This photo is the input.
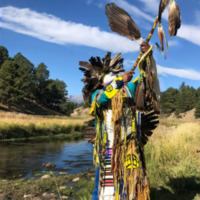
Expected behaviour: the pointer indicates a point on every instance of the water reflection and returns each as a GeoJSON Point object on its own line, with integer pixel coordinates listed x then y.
{"type": "Point", "coordinates": [26, 159]}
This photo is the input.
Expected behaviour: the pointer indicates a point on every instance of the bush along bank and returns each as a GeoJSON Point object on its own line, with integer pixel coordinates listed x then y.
{"type": "Point", "coordinates": [16, 131]}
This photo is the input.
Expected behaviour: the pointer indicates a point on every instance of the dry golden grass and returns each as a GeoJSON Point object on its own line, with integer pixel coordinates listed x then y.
{"type": "Point", "coordinates": [172, 152]}
{"type": "Point", "coordinates": [8, 118]}
{"type": "Point", "coordinates": [14, 125]}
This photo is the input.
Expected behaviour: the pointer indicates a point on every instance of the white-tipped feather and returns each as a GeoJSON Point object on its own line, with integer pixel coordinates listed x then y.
{"type": "Point", "coordinates": [161, 34]}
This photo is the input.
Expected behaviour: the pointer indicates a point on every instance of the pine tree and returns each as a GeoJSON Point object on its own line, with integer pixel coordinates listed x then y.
{"type": "Point", "coordinates": [187, 98]}
{"type": "Point", "coordinates": [3, 55]}
{"type": "Point", "coordinates": [168, 102]}
{"type": "Point", "coordinates": [41, 77]}
{"type": "Point", "coordinates": [25, 72]}
{"type": "Point", "coordinates": [197, 109]}
{"type": "Point", "coordinates": [9, 93]}
{"type": "Point", "coordinates": [56, 92]}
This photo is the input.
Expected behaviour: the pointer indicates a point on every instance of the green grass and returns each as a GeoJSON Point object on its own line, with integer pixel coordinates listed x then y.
{"type": "Point", "coordinates": [16, 189]}
{"type": "Point", "coordinates": [16, 131]}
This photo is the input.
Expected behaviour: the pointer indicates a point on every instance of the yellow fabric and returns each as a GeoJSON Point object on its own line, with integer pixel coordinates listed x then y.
{"type": "Point", "coordinates": [110, 92]}
{"type": "Point", "coordinates": [93, 108]}
{"type": "Point", "coordinates": [134, 128]}
{"type": "Point", "coordinates": [140, 64]}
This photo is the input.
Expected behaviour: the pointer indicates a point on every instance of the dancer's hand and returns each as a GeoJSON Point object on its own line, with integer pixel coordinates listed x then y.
{"type": "Point", "coordinates": [144, 46]}
{"type": "Point", "coordinates": [127, 76]}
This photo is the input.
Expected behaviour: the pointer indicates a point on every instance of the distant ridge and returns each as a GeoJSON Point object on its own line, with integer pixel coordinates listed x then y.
{"type": "Point", "coordinates": [76, 98]}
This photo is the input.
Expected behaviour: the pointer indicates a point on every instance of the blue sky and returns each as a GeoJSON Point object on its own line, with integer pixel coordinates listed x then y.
{"type": "Point", "coordinates": [60, 33]}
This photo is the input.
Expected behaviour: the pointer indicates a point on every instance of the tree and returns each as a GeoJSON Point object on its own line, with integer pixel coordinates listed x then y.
{"type": "Point", "coordinates": [56, 92]}
{"type": "Point", "coordinates": [168, 101]}
{"type": "Point", "coordinates": [41, 77]}
{"type": "Point", "coordinates": [3, 55]}
{"type": "Point", "coordinates": [187, 98]}
{"type": "Point", "coordinates": [197, 109]}
{"type": "Point", "coordinates": [68, 107]}
{"type": "Point", "coordinates": [25, 75]}
{"type": "Point", "coordinates": [9, 93]}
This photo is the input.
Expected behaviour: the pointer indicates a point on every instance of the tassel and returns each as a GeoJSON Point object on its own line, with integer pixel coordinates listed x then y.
{"type": "Point", "coordinates": [140, 96]}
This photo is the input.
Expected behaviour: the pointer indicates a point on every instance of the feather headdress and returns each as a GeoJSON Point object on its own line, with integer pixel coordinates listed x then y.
{"type": "Point", "coordinates": [96, 69]}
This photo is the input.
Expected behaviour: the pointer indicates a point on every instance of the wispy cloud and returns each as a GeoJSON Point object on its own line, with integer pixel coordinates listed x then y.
{"type": "Point", "coordinates": [190, 33]}
{"type": "Point", "coordinates": [53, 29]}
{"type": "Point", "coordinates": [133, 9]}
{"type": "Point", "coordinates": [182, 73]}
{"type": "Point", "coordinates": [165, 71]}
{"type": "Point", "coordinates": [88, 1]}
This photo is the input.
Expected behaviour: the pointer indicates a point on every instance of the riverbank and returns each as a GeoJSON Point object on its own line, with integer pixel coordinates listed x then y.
{"type": "Point", "coordinates": [15, 126]}
{"type": "Point", "coordinates": [49, 186]}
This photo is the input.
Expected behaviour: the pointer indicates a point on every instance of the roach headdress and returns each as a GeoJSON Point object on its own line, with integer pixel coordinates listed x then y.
{"type": "Point", "coordinates": [96, 69]}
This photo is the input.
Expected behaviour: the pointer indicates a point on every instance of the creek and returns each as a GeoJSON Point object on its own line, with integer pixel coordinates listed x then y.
{"type": "Point", "coordinates": [25, 159]}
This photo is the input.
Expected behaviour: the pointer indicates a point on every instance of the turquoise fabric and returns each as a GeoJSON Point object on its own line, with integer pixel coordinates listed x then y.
{"type": "Point", "coordinates": [103, 99]}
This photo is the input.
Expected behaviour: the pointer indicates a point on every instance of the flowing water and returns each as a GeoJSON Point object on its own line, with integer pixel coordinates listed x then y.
{"type": "Point", "coordinates": [26, 159]}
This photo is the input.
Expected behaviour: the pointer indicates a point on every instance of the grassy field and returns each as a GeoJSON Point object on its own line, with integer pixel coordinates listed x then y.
{"type": "Point", "coordinates": [173, 161]}
{"type": "Point", "coordinates": [14, 125]}
{"type": "Point", "coordinates": [172, 158]}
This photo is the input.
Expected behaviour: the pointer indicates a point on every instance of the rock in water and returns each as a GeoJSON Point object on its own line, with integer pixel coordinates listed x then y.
{"type": "Point", "coordinates": [49, 165]}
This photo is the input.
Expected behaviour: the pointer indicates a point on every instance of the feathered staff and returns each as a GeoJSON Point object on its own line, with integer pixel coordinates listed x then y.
{"type": "Point", "coordinates": [121, 22]}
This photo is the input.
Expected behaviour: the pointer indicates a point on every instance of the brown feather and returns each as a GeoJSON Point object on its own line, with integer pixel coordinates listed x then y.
{"type": "Point", "coordinates": [121, 22]}
{"type": "Point", "coordinates": [86, 64]}
{"type": "Point", "coordinates": [162, 6]}
{"type": "Point", "coordinates": [174, 18]}
{"type": "Point", "coordinates": [116, 58]}
{"type": "Point", "coordinates": [156, 107]}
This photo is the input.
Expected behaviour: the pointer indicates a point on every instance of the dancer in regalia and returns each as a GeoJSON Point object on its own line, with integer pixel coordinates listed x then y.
{"type": "Point", "coordinates": [125, 112]}
{"type": "Point", "coordinates": [119, 143]}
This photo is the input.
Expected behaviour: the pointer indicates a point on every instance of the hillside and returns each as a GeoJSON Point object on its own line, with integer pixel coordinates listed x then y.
{"type": "Point", "coordinates": [28, 107]}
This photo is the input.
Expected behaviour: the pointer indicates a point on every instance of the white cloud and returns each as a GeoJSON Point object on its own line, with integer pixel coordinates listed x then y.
{"type": "Point", "coordinates": [133, 10]}
{"type": "Point", "coordinates": [190, 33]}
{"type": "Point", "coordinates": [182, 73]}
{"type": "Point", "coordinates": [151, 5]}
{"type": "Point", "coordinates": [52, 29]}
{"type": "Point", "coordinates": [164, 71]}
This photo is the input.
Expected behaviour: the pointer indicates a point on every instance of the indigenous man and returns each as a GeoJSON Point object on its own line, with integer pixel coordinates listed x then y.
{"type": "Point", "coordinates": [118, 150]}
